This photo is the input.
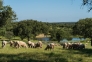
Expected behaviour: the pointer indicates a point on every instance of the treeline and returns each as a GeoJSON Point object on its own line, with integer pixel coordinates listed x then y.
{"type": "Point", "coordinates": [63, 24]}
{"type": "Point", "coordinates": [31, 28]}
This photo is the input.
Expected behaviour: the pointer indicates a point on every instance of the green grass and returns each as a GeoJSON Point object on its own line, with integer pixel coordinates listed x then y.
{"type": "Point", "coordinates": [9, 54]}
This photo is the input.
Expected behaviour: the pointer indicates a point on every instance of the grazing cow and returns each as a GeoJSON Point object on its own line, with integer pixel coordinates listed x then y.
{"type": "Point", "coordinates": [73, 46]}
{"type": "Point", "coordinates": [65, 45]}
{"type": "Point", "coordinates": [78, 46]}
{"type": "Point", "coordinates": [15, 44]}
{"type": "Point", "coordinates": [69, 45]}
{"type": "Point", "coordinates": [4, 43]}
{"type": "Point", "coordinates": [81, 46]}
{"type": "Point", "coordinates": [11, 43]}
{"type": "Point", "coordinates": [50, 46]}
{"type": "Point", "coordinates": [38, 44]}
{"type": "Point", "coordinates": [19, 44]}
{"type": "Point", "coordinates": [31, 44]}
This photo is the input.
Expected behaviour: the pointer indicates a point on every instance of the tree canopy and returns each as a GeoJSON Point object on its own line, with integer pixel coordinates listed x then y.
{"type": "Point", "coordinates": [7, 15]}
{"type": "Point", "coordinates": [83, 27]}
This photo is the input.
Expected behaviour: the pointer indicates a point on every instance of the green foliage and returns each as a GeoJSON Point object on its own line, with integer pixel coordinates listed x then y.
{"type": "Point", "coordinates": [83, 27]}
{"type": "Point", "coordinates": [23, 30]}
{"type": "Point", "coordinates": [53, 34]}
{"type": "Point", "coordinates": [9, 35]}
{"type": "Point", "coordinates": [30, 28]}
{"type": "Point", "coordinates": [45, 29]}
{"type": "Point", "coordinates": [61, 33]}
{"type": "Point", "coordinates": [2, 31]}
{"type": "Point", "coordinates": [7, 15]}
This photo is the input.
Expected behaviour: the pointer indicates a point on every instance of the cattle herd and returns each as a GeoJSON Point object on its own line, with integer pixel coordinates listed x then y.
{"type": "Point", "coordinates": [39, 44]}
{"type": "Point", "coordinates": [73, 45]}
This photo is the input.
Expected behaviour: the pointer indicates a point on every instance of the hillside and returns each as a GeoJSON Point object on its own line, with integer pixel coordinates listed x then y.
{"type": "Point", "coordinates": [70, 23]}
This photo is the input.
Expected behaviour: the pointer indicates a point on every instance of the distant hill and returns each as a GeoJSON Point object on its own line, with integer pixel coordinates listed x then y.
{"type": "Point", "coordinates": [63, 22]}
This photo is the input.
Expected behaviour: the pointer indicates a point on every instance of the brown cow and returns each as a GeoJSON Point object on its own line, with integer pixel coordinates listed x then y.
{"type": "Point", "coordinates": [38, 44]}
{"type": "Point", "coordinates": [78, 46]}
{"type": "Point", "coordinates": [50, 46]}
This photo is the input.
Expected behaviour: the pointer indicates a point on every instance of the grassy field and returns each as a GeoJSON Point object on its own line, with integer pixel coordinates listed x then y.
{"type": "Point", "coordinates": [9, 54]}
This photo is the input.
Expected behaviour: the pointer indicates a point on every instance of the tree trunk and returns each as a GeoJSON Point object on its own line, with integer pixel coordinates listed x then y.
{"type": "Point", "coordinates": [28, 38]}
{"type": "Point", "coordinates": [91, 41]}
{"type": "Point", "coordinates": [58, 40]}
{"type": "Point", "coordinates": [21, 38]}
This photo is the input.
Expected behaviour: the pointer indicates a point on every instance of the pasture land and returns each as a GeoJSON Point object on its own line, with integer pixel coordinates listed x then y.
{"type": "Point", "coordinates": [10, 54]}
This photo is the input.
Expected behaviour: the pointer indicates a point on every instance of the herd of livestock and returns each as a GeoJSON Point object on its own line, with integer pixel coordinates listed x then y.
{"type": "Point", "coordinates": [30, 44]}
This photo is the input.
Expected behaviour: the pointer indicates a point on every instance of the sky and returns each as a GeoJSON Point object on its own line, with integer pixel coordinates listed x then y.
{"type": "Point", "coordinates": [49, 10]}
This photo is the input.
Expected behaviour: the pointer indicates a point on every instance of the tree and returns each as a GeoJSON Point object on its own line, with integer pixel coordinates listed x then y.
{"type": "Point", "coordinates": [23, 30]}
{"type": "Point", "coordinates": [59, 35]}
{"type": "Point", "coordinates": [53, 34]}
{"type": "Point", "coordinates": [1, 3]}
{"type": "Point", "coordinates": [37, 28]}
{"type": "Point", "coordinates": [7, 15]}
{"type": "Point", "coordinates": [62, 33]}
{"type": "Point", "coordinates": [45, 28]}
{"type": "Point", "coordinates": [84, 28]}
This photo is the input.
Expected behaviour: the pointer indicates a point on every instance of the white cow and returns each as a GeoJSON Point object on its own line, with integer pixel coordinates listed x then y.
{"type": "Point", "coordinates": [4, 43]}
{"type": "Point", "coordinates": [19, 44]}
{"type": "Point", "coordinates": [31, 44]}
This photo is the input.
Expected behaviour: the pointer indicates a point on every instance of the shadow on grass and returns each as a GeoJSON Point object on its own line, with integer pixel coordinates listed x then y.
{"type": "Point", "coordinates": [56, 57]}
{"type": "Point", "coordinates": [86, 51]}
{"type": "Point", "coordinates": [35, 57]}
{"type": "Point", "coordinates": [18, 58]}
